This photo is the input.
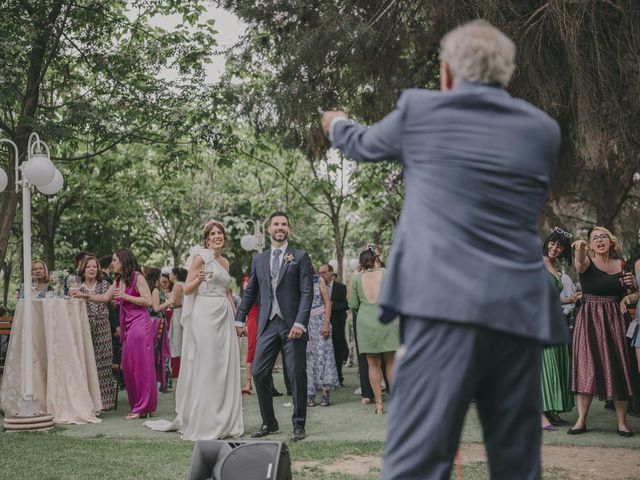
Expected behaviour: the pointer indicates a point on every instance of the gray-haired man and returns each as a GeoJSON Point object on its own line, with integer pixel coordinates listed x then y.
{"type": "Point", "coordinates": [466, 274]}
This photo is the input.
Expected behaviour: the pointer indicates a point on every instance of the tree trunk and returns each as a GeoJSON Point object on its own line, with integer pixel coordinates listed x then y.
{"type": "Point", "coordinates": [7, 268]}
{"type": "Point", "coordinates": [337, 238]}
{"type": "Point", "coordinates": [26, 119]}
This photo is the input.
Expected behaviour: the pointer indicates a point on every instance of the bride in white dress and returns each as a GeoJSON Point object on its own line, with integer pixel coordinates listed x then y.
{"type": "Point", "coordinates": [208, 399]}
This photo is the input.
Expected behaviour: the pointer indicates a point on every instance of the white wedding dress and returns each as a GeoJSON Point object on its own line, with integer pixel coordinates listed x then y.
{"type": "Point", "coordinates": [208, 398]}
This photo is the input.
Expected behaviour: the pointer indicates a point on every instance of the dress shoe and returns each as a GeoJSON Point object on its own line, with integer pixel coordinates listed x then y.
{"type": "Point", "coordinates": [577, 431]}
{"type": "Point", "coordinates": [275, 393]}
{"type": "Point", "coordinates": [266, 430]}
{"type": "Point", "coordinates": [298, 434]}
{"type": "Point", "coordinates": [625, 433]}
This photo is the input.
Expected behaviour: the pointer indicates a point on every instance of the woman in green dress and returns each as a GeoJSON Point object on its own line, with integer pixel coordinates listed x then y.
{"type": "Point", "coordinates": [556, 360]}
{"type": "Point", "coordinates": [374, 337]}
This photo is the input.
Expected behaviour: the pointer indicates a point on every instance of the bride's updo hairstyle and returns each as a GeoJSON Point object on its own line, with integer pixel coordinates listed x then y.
{"type": "Point", "coordinates": [207, 230]}
{"type": "Point", "coordinates": [367, 259]}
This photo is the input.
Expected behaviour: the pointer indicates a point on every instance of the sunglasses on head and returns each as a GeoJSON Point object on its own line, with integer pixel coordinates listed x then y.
{"type": "Point", "coordinates": [373, 247]}
{"type": "Point", "coordinates": [562, 232]}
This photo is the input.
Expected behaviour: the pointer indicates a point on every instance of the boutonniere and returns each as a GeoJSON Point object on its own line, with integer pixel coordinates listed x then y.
{"type": "Point", "coordinates": [288, 258]}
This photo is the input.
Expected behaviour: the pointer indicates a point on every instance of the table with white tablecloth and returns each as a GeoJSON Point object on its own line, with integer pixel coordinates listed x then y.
{"type": "Point", "coordinates": [65, 378]}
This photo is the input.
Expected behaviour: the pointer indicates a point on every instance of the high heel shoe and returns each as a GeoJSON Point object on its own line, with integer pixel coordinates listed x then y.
{"type": "Point", "coordinates": [379, 408]}
{"type": "Point", "coordinates": [325, 399]}
{"type": "Point", "coordinates": [135, 416]}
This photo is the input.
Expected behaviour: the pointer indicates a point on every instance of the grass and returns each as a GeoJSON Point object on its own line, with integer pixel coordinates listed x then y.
{"type": "Point", "coordinates": [119, 449]}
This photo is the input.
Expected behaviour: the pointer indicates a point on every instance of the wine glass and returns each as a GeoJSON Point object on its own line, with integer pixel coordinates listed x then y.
{"type": "Point", "coordinates": [54, 281]}
{"type": "Point", "coordinates": [34, 284]}
{"type": "Point", "coordinates": [73, 282]}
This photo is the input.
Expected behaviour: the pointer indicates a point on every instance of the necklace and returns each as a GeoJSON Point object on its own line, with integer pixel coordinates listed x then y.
{"type": "Point", "coordinates": [89, 289]}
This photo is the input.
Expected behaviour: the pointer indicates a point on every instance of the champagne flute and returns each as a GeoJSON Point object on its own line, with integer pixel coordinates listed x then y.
{"type": "Point", "coordinates": [34, 284]}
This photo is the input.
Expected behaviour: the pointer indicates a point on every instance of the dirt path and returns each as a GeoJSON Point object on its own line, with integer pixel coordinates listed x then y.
{"type": "Point", "coordinates": [577, 463]}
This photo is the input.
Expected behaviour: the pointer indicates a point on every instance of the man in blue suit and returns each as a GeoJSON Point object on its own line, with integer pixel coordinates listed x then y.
{"type": "Point", "coordinates": [466, 274]}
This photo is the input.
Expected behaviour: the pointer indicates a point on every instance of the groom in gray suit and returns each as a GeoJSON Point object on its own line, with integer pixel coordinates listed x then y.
{"type": "Point", "coordinates": [281, 278]}
{"type": "Point", "coordinates": [466, 273]}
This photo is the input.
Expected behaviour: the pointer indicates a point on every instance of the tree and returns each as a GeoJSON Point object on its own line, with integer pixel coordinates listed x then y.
{"type": "Point", "coordinates": [86, 76]}
{"type": "Point", "coordinates": [577, 60]}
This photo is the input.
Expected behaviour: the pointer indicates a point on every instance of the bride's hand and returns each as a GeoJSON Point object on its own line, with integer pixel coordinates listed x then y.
{"type": "Point", "coordinates": [241, 331]}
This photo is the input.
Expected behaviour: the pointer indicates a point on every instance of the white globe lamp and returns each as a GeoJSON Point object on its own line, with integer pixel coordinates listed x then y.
{"type": "Point", "coordinates": [249, 242]}
{"type": "Point", "coordinates": [4, 180]}
{"type": "Point", "coordinates": [39, 169]}
{"type": "Point", "coordinates": [54, 186]}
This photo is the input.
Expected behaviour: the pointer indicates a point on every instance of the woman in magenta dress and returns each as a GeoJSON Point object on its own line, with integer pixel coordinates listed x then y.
{"type": "Point", "coordinates": [136, 332]}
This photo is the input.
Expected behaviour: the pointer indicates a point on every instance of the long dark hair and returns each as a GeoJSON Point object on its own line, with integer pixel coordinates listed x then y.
{"type": "Point", "coordinates": [153, 276]}
{"type": "Point", "coordinates": [129, 264]}
{"type": "Point", "coordinates": [558, 236]}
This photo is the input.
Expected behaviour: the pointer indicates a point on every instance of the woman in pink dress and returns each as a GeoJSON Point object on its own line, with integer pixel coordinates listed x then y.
{"type": "Point", "coordinates": [136, 332]}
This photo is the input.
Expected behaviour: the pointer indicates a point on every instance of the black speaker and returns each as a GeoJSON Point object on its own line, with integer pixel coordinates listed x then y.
{"type": "Point", "coordinates": [228, 460]}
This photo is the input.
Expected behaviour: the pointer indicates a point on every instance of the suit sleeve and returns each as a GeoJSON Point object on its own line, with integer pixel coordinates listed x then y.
{"type": "Point", "coordinates": [250, 295]}
{"type": "Point", "coordinates": [381, 141]}
{"type": "Point", "coordinates": [306, 291]}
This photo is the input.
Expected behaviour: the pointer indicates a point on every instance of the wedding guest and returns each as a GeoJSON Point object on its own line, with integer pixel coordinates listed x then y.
{"type": "Point", "coordinates": [160, 305]}
{"type": "Point", "coordinates": [321, 362]}
{"type": "Point", "coordinates": [252, 334]}
{"type": "Point", "coordinates": [339, 308]}
{"type": "Point", "coordinates": [365, 390]}
{"type": "Point", "coordinates": [374, 337]}
{"type": "Point", "coordinates": [136, 332]}
{"type": "Point", "coordinates": [556, 361]}
{"type": "Point", "coordinates": [208, 400]}
{"type": "Point", "coordinates": [177, 276]}
{"type": "Point", "coordinates": [166, 284]}
{"type": "Point", "coordinates": [600, 362]}
{"type": "Point", "coordinates": [98, 313]}
{"type": "Point", "coordinates": [105, 267]}
{"type": "Point", "coordinates": [40, 280]}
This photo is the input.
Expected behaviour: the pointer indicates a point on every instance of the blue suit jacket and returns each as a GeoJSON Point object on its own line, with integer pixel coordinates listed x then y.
{"type": "Point", "coordinates": [477, 168]}
{"type": "Point", "coordinates": [294, 289]}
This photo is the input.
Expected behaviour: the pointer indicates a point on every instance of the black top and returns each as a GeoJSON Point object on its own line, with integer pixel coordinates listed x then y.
{"type": "Point", "coordinates": [596, 282]}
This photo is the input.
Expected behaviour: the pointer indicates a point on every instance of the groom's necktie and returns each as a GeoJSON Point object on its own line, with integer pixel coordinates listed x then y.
{"type": "Point", "coordinates": [275, 271]}
{"type": "Point", "coordinates": [275, 264]}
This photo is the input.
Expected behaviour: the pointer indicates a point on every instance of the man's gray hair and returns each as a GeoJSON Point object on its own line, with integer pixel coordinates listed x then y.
{"type": "Point", "coordinates": [479, 52]}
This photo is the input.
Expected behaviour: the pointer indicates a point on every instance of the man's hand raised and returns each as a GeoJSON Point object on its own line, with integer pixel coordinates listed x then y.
{"type": "Point", "coordinates": [327, 117]}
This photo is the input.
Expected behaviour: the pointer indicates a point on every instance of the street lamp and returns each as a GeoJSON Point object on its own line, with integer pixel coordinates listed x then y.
{"type": "Point", "coordinates": [40, 172]}
{"type": "Point", "coordinates": [252, 242]}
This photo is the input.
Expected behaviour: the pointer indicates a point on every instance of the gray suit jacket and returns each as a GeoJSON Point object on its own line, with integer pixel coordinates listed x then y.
{"type": "Point", "coordinates": [477, 168]}
{"type": "Point", "coordinates": [294, 289]}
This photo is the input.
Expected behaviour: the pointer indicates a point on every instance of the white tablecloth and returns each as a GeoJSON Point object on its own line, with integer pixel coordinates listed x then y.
{"type": "Point", "coordinates": [65, 379]}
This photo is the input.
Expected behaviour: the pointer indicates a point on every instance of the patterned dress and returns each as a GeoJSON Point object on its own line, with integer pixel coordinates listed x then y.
{"type": "Point", "coordinates": [600, 362]}
{"type": "Point", "coordinates": [321, 362]}
{"type": "Point", "coordinates": [98, 314]}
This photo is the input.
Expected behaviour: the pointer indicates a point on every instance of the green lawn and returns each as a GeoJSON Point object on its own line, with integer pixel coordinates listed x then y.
{"type": "Point", "coordinates": [120, 449]}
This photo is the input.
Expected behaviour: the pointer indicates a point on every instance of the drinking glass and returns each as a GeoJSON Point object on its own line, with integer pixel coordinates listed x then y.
{"type": "Point", "coordinates": [73, 283]}
{"type": "Point", "coordinates": [34, 283]}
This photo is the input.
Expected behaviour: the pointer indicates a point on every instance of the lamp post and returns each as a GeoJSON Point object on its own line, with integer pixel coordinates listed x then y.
{"type": "Point", "coordinates": [38, 171]}
{"type": "Point", "coordinates": [349, 260]}
{"type": "Point", "coordinates": [252, 242]}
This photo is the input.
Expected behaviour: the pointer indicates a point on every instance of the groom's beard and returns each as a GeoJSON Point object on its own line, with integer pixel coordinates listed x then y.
{"type": "Point", "coordinates": [279, 236]}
